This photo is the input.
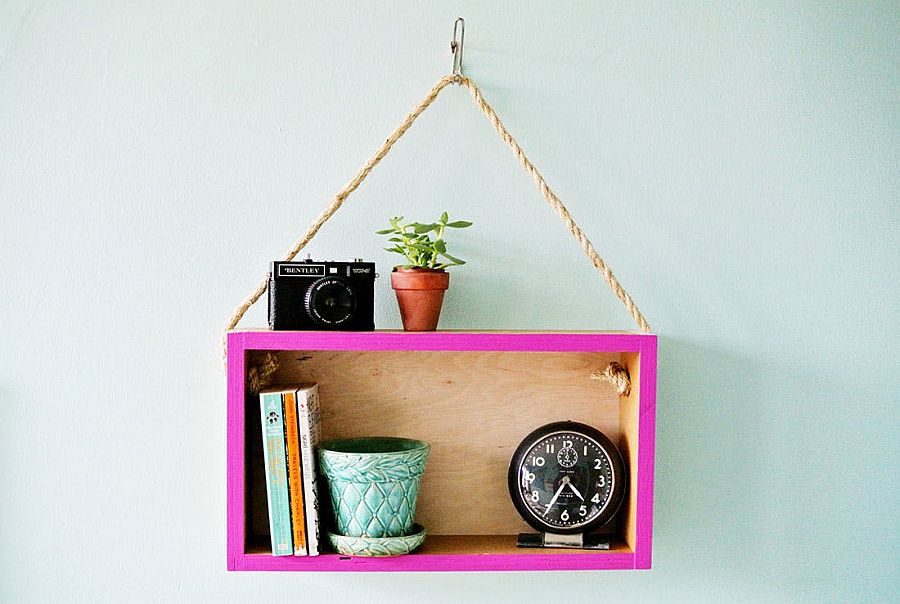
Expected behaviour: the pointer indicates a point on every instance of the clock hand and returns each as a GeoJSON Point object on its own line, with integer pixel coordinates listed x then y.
{"type": "Point", "coordinates": [555, 497]}
{"type": "Point", "coordinates": [572, 486]}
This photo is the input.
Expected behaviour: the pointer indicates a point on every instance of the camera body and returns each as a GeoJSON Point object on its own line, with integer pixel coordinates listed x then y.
{"type": "Point", "coordinates": [309, 295]}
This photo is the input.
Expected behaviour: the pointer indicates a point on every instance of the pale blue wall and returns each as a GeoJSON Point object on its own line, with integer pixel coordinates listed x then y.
{"type": "Point", "coordinates": [736, 165]}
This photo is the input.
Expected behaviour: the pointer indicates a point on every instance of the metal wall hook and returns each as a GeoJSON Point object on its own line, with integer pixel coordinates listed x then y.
{"type": "Point", "coordinates": [456, 45]}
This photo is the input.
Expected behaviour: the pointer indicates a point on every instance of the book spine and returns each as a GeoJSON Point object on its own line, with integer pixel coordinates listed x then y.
{"type": "Point", "coordinates": [276, 474]}
{"type": "Point", "coordinates": [308, 422]}
{"type": "Point", "coordinates": [295, 474]}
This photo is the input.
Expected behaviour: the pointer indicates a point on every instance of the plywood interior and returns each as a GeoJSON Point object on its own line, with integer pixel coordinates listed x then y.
{"type": "Point", "coordinates": [473, 408]}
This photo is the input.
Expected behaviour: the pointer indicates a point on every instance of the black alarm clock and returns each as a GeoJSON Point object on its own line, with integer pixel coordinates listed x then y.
{"type": "Point", "coordinates": [566, 478]}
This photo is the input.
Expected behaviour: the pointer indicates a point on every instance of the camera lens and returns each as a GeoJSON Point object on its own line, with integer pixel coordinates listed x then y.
{"type": "Point", "coordinates": [330, 301]}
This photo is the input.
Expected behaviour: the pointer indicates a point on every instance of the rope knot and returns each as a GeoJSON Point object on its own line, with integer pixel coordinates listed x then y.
{"type": "Point", "coordinates": [261, 373]}
{"type": "Point", "coordinates": [617, 375]}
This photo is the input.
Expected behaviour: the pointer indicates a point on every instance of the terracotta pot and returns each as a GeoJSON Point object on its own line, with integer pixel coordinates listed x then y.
{"type": "Point", "coordinates": [420, 294]}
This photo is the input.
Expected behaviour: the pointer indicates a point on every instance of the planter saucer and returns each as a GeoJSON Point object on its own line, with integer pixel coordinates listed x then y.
{"type": "Point", "coordinates": [377, 546]}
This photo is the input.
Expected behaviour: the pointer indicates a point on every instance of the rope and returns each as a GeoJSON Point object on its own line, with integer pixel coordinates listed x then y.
{"type": "Point", "coordinates": [617, 375]}
{"type": "Point", "coordinates": [549, 196]}
{"type": "Point", "coordinates": [554, 201]}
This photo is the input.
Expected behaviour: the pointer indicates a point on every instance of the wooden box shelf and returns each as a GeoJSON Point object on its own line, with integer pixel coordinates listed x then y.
{"type": "Point", "coordinates": [473, 396]}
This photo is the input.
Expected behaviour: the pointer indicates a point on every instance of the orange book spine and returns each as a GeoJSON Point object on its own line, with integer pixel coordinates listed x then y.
{"type": "Point", "coordinates": [295, 476]}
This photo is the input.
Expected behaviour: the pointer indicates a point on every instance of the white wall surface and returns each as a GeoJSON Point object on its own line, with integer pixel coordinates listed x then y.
{"type": "Point", "coordinates": [735, 163]}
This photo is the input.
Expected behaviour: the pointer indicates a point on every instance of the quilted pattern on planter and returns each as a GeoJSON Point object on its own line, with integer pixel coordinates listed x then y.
{"type": "Point", "coordinates": [374, 509]}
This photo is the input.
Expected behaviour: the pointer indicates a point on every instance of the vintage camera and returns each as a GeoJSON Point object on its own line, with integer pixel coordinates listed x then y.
{"type": "Point", "coordinates": [311, 295]}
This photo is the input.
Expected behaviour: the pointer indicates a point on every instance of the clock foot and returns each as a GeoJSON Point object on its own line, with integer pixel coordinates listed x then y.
{"type": "Point", "coordinates": [577, 541]}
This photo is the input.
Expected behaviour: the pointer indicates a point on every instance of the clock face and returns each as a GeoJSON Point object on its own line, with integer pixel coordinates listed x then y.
{"type": "Point", "coordinates": [566, 478]}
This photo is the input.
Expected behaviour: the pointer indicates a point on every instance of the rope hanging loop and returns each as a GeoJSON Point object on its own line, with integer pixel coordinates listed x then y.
{"type": "Point", "coordinates": [549, 196]}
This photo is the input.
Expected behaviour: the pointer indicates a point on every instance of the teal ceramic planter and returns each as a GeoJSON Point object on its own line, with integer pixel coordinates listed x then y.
{"type": "Point", "coordinates": [373, 483]}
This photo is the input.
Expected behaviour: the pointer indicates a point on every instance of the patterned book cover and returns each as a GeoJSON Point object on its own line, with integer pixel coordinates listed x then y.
{"type": "Point", "coordinates": [308, 421]}
{"type": "Point", "coordinates": [271, 408]}
{"type": "Point", "coordinates": [295, 480]}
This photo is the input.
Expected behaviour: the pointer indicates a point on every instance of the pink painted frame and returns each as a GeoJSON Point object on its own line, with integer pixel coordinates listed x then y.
{"type": "Point", "coordinates": [238, 342]}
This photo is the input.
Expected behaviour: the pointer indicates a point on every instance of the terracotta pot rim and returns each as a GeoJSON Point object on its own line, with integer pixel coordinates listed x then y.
{"type": "Point", "coordinates": [420, 280]}
{"type": "Point", "coordinates": [417, 269]}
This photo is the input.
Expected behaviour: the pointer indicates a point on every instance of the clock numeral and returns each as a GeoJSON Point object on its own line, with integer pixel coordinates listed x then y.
{"type": "Point", "coordinates": [596, 498]}
{"type": "Point", "coordinates": [527, 478]}
{"type": "Point", "coordinates": [597, 464]}
{"type": "Point", "coordinates": [537, 461]}
{"type": "Point", "coordinates": [602, 482]}
{"type": "Point", "coordinates": [564, 516]}
{"type": "Point", "coordinates": [567, 444]}
{"type": "Point", "coordinates": [535, 496]}
{"type": "Point", "coordinates": [585, 450]}
{"type": "Point", "coordinates": [582, 511]}
{"type": "Point", "coordinates": [551, 448]}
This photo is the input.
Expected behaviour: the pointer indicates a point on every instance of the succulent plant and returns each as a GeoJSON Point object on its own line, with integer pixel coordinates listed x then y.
{"type": "Point", "coordinates": [423, 244]}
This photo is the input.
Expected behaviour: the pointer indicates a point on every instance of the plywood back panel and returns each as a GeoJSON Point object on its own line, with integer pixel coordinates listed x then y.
{"type": "Point", "coordinates": [472, 407]}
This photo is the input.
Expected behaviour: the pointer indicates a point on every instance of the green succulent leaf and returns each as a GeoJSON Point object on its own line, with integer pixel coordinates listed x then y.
{"type": "Point", "coordinates": [424, 228]}
{"type": "Point", "coordinates": [385, 231]}
{"type": "Point", "coordinates": [459, 224]}
{"type": "Point", "coordinates": [444, 218]}
{"type": "Point", "coordinates": [453, 259]}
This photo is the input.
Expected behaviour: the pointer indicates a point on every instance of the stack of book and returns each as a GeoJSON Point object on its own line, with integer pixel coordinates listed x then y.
{"type": "Point", "coordinates": [290, 431]}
